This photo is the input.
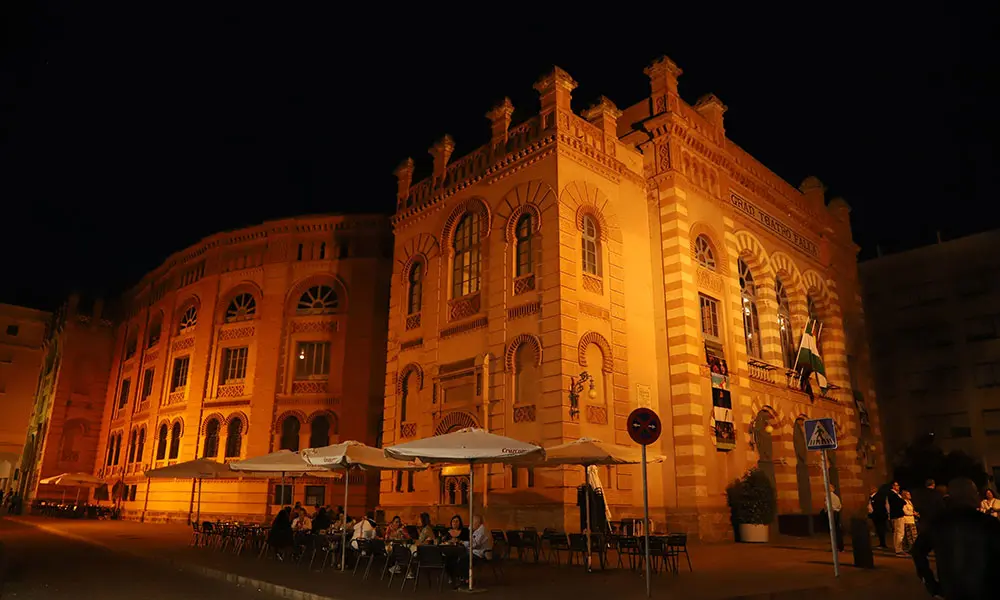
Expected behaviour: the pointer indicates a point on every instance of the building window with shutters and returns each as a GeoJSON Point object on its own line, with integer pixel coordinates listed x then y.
{"type": "Point", "coordinates": [234, 365]}
{"type": "Point", "coordinates": [467, 260]}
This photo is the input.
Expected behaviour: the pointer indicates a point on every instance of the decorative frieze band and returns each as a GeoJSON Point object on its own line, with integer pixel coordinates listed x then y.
{"type": "Point", "coordinates": [523, 310]}
{"type": "Point", "coordinates": [236, 333]}
{"type": "Point", "coordinates": [309, 387]}
{"type": "Point", "coordinates": [314, 326]}
{"type": "Point", "coordinates": [524, 414]}
{"type": "Point", "coordinates": [183, 344]}
{"type": "Point", "coordinates": [465, 327]}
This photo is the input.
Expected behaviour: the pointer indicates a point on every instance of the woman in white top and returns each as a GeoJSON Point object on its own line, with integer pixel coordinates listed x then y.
{"type": "Point", "coordinates": [364, 529]}
{"type": "Point", "coordinates": [991, 505]}
{"type": "Point", "coordinates": [909, 522]}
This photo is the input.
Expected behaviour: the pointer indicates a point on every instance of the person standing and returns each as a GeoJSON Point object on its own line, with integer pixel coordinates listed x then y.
{"type": "Point", "coordinates": [928, 502]}
{"type": "Point", "coordinates": [878, 515]}
{"type": "Point", "coordinates": [895, 503]}
{"type": "Point", "coordinates": [966, 546]}
{"type": "Point", "coordinates": [909, 522]}
{"type": "Point", "coordinates": [990, 505]}
{"type": "Point", "coordinates": [836, 505]}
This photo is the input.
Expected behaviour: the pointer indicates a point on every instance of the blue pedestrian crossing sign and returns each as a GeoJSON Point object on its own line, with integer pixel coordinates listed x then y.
{"type": "Point", "coordinates": [821, 434]}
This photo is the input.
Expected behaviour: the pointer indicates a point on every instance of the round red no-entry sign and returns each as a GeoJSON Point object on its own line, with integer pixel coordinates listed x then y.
{"type": "Point", "coordinates": [644, 426]}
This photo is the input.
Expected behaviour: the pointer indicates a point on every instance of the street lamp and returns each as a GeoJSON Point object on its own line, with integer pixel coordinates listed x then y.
{"type": "Point", "coordinates": [576, 385]}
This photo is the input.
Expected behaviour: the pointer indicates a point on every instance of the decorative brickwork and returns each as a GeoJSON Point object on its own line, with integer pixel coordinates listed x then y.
{"type": "Point", "coordinates": [314, 326]}
{"type": "Point", "coordinates": [408, 430]}
{"type": "Point", "coordinates": [233, 390]}
{"type": "Point", "coordinates": [236, 333]}
{"type": "Point", "coordinates": [461, 308]}
{"type": "Point", "coordinates": [524, 414]}
{"type": "Point", "coordinates": [410, 344]}
{"type": "Point", "coordinates": [413, 322]}
{"type": "Point", "coordinates": [465, 327]}
{"type": "Point", "coordinates": [523, 310]}
{"type": "Point", "coordinates": [524, 284]}
{"type": "Point", "coordinates": [592, 310]}
{"type": "Point", "coordinates": [175, 397]}
{"type": "Point", "coordinates": [309, 387]}
{"type": "Point", "coordinates": [598, 415]}
{"type": "Point", "coordinates": [592, 337]}
{"type": "Point", "coordinates": [593, 284]}
{"type": "Point", "coordinates": [183, 344]}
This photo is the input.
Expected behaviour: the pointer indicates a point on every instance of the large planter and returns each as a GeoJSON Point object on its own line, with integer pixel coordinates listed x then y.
{"type": "Point", "coordinates": [753, 534]}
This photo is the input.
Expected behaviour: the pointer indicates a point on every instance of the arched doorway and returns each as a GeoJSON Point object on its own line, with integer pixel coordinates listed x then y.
{"type": "Point", "coordinates": [802, 467]}
{"type": "Point", "coordinates": [762, 430]}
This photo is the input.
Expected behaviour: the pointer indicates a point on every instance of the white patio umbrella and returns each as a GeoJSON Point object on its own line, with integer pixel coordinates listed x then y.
{"type": "Point", "coordinates": [199, 468]}
{"type": "Point", "coordinates": [588, 452]}
{"type": "Point", "coordinates": [353, 455]}
{"type": "Point", "coordinates": [78, 480]}
{"type": "Point", "coordinates": [469, 446]}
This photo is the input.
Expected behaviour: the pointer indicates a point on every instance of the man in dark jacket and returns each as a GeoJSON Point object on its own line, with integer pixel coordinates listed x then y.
{"type": "Point", "coordinates": [929, 504]}
{"type": "Point", "coordinates": [878, 514]}
{"type": "Point", "coordinates": [896, 503]}
{"type": "Point", "coordinates": [966, 546]}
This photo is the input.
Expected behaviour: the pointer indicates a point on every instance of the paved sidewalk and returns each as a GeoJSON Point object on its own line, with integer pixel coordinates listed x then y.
{"type": "Point", "coordinates": [786, 568]}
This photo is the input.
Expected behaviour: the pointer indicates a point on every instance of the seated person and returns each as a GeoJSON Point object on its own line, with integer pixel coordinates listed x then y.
{"type": "Point", "coordinates": [301, 522]}
{"type": "Point", "coordinates": [426, 531]}
{"type": "Point", "coordinates": [481, 541]}
{"type": "Point", "coordinates": [395, 531]}
{"type": "Point", "coordinates": [364, 529]}
{"type": "Point", "coordinates": [458, 532]}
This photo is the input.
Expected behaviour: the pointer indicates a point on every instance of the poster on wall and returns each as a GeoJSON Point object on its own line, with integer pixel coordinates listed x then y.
{"type": "Point", "coordinates": [722, 404]}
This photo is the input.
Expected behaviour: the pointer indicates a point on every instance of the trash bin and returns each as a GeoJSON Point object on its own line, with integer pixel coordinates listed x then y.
{"type": "Point", "coordinates": [861, 544]}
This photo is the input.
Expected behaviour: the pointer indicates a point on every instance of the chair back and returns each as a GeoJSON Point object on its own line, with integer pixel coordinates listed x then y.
{"type": "Point", "coordinates": [401, 552]}
{"type": "Point", "coordinates": [430, 555]}
{"type": "Point", "coordinates": [498, 536]}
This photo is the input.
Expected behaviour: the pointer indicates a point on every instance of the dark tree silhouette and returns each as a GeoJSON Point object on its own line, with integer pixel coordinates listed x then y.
{"type": "Point", "coordinates": [923, 460]}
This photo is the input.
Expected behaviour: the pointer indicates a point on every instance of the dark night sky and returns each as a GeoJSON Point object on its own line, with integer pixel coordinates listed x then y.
{"type": "Point", "coordinates": [127, 133]}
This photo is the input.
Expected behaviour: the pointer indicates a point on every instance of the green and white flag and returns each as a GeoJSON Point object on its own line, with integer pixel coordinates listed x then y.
{"type": "Point", "coordinates": [809, 360]}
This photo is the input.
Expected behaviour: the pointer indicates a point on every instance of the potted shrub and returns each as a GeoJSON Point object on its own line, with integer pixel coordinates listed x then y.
{"type": "Point", "coordinates": [754, 505]}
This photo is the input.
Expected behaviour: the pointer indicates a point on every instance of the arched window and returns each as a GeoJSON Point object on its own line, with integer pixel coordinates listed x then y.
{"type": "Point", "coordinates": [175, 441]}
{"type": "Point", "coordinates": [318, 300]}
{"type": "Point", "coordinates": [703, 252]}
{"type": "Point", "coordinates": [118, 447]}
{"type": "Point", "coordinates": [290, 434]}
{"type": "Point", "coordinates": [188, 319]}
{"type": "Point", "coordinates": [788, 349]}
{"type": "Point", "coordinates": [416, 288]}
{"type": "Point", "coordinates": [751, 319]}
{"type": "Point", "coordinates": [241, 308]}
{"type": "Point", "coordinates": [131, 446]}
{"type": "Point", "coordinates": [320, 434]}
{"type": "Point", "coordinates": [465, 270]}
{"type": "Point", "coordinates": [141, 447]}
{"type": "Point", "coordinates": [527, 375]}
{"type": "Point", "coordinates": [591, 247]}
{"type": "Point", "coordinates": [155, 329]}
{"type": "Point", "coordinates": [161, 443]}
{"type": "Point", "coordinates": [524, 233]}
{"type": "Point", "coordinates": [404, 396]}
{"type": "Point", "coordinates": [234, 438]}
{"type": "Point", "coordinates": [211, 438]}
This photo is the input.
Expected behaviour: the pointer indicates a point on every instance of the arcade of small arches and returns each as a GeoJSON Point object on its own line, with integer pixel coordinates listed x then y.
{"type": "Point", "coordinates": [776, 299]}
{"type": "Point", "coordinates": [323, 430]}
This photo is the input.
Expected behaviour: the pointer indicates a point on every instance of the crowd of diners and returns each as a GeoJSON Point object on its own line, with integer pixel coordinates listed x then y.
{"type": "Point", "coordinates": [292, 526]}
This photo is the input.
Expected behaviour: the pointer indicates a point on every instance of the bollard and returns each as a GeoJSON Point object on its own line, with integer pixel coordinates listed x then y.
{"type": "Point", "coordinates": [861, 544]}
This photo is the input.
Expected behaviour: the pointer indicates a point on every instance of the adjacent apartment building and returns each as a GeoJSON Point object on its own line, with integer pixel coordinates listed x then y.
{"type": "Point", "coordinates": [581, 265]}
{"type": "Point", "coordinates": [934, 314]}
{"type": "Point", "coordinates": [22, 331]}
{"type": "Point", "coordinates": [65, 418]}
{"type": "Point", "coordinates": [250, 341]}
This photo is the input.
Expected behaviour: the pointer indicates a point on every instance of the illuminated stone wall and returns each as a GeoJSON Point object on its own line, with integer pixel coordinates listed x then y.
{"type": "Point", "coordinates": [253, 340]}
{"type": "Point", "coordinates": [586, 261]}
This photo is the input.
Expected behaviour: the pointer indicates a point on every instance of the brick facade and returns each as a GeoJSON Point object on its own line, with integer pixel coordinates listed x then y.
{"type": "Point", "coordinates": [608, 283]}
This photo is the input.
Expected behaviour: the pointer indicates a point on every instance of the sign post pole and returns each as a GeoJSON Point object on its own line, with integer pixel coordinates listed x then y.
{"type": "Point", "coordinates": [644, 428]}
{"type": "Point", "coordinates": [821, 434]}
{"type": "Point", "coordinates": [645, 514]}
{"type": "Point", "coordinates": [829, 516]}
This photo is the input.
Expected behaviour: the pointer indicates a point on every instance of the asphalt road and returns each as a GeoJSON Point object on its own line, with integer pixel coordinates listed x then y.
{"type": "Point", "coordinates": [40, 565]}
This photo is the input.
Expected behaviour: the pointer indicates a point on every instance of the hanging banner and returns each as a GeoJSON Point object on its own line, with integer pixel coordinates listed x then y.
{"type": "Point", "coordinates": [722, 404]}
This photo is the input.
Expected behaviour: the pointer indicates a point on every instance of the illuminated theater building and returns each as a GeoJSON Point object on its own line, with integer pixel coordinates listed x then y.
{"type": "Point", "coordinates": [250, 341]}
{"type": "Point", "coordinates": [630, 245]}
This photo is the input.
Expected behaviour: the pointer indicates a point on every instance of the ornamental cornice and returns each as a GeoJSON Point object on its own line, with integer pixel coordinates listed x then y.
{"type": "Point", "coordinates": [505, 167]}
